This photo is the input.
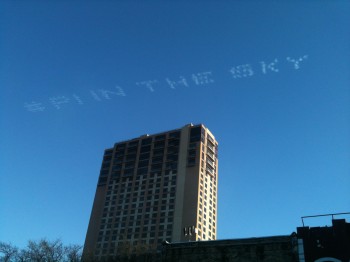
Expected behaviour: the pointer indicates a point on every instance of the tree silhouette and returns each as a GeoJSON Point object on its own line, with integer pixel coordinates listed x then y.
{"type": "Point", "coordinates": [40, 251]}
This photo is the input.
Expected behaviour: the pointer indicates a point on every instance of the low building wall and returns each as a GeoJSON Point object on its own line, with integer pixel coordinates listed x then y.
{"type": "Point", "coordinates": [267, 249]}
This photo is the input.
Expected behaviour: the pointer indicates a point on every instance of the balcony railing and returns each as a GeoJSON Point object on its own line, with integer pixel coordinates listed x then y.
{"type": "Point", "coordinates": [211, 148]}
{"type": "Point", "coordinates": [211, 163]}
{"type": "Point", "coordinates": [211, 155]}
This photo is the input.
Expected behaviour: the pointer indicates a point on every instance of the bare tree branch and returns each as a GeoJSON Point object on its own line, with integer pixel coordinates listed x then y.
{"type": "Point", "coordinates": [8, 252]}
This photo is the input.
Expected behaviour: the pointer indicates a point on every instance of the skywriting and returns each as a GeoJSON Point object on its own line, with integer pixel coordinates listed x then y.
{"type": "Point", "coordinates": [195, 79]}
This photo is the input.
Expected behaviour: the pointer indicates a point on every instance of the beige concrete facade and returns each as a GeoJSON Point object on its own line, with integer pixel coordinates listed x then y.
{"type": "Point", "coordinates": [155, 188]}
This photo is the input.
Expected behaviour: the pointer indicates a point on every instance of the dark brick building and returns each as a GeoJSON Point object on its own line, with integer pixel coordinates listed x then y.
{"type": "Point", "coordinates": [265, 249]}
{"type": "Point", "coordinates": [319, 244]}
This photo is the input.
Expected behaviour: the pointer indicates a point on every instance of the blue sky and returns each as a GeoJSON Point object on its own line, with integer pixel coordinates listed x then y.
{"type": "Point", "coordinates": [270, 80]}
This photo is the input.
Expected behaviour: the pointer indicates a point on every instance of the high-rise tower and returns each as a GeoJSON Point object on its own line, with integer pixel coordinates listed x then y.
{"type": "Point", "coordinates": [155, 188]}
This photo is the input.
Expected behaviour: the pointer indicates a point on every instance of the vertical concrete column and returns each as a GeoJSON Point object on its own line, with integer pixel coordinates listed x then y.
{"type": "Point", "coordinates": [180, 185]}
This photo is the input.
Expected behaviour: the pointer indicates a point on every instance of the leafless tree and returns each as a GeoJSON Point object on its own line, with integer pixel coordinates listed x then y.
{"type": "Point", "coordinates": [44, 251]}
{"type": "Point", "coordinates": [73, 253]}
{"type": "Point", "coordinates": [8, 252]}
{"type": "Point", "coordinates": [41, 251]}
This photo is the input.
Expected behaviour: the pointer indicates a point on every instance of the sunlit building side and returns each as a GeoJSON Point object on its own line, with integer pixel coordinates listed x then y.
{"type": "Point", "coordinates": [155, 188]}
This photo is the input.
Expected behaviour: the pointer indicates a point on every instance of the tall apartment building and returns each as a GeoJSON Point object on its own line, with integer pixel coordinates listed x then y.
{"type": "Point", "coordinates": [155, 188]}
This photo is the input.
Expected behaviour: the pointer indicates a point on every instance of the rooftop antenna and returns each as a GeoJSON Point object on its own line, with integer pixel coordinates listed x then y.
{"type": "Point", "coordinates": [189, 231]}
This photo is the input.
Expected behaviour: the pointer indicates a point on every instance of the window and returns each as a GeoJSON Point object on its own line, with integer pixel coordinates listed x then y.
{"type": "Point", "coordinates": [145, 149]}
{"type": "Point", "coordinates": [146, 141]}
{"type": "Point", "coordinates": [159, 137]}
{"type": "Point", "coordinates": [174, 134]}
{"type": "Point", "coordinates": [195, 134]}
{"type": "Point", "coordinates": [143, 163]}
